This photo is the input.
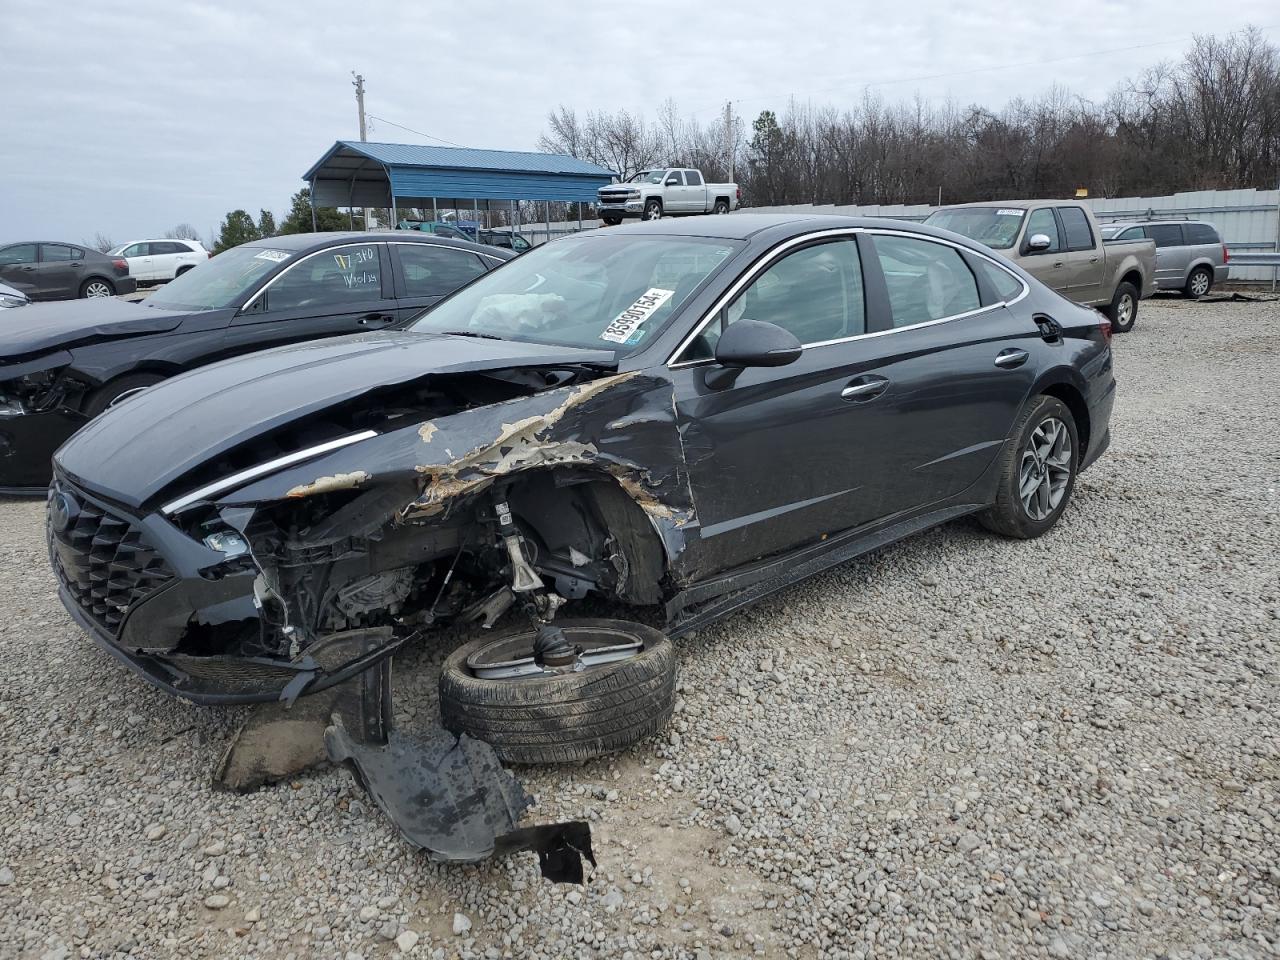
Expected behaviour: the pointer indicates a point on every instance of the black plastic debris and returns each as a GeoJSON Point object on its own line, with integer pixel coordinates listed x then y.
{"type": "Point", "coordinates": [450, 796]}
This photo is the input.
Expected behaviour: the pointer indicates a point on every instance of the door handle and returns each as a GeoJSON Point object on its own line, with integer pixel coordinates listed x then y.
{"type": "Point", "coordinates": [376, 319]}
{"type": "Point", "coordinates": [864, 389]}
{"type": "Point", "coordinates": [1057, 263]}
{"type": "Point", "coordinates": [1008, 359]}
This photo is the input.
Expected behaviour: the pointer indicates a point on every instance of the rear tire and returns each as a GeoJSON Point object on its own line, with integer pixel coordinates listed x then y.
{"type": "Point", "coordinates": [722, 206]}
{"type": "Point", "coordinates": [1010, 515]}
{"type": "Point", "coordinates": [563, 717]}
{"type": "Point", "coordinates": [113, 391]}
{"type": "Point", "coordinates": [97, 287]}
{"type": "Point", "coordinates": [1199, 283]}
{"type": "Point", "coordinates": [1123, 312]}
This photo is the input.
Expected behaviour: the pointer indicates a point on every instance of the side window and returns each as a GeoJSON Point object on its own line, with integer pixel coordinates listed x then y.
{"type": "Point", "coordinates": [693, 178]}
{"type": "Point", "coordinates": [135, 250]}
{"type": "Point", "coordinates": [674, 178]}
{"type": "Point", "coordinates": [1133, 233]}
{"type": "Point", "coordinates": [1042, 221]}
{"type": "Point", "coordinates": [333, 277]}
{"type": "Point", "coordinates": [432, 271]}
{"type": "Point", "coordinates": [1076, 226]}
{"type": "Point", "coordinates": [1006, 285]}
{"type": "Point", "coordinates": [1165, 234]}
{"type": "Point", "coordinates": [18, 253]}
{"type": "Point", "coordinates": [926, 280]}
{"type": "Point", "coordinates": [56, 252]}
{"type": "Point", "coordinates": [168, 246]}
{"type": "Point", "coordinates": [816, 293]}
{"type": "Point", "coordinates": [1200, 233]}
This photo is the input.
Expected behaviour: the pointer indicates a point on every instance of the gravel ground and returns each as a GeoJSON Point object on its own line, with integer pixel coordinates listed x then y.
{"type": "Point", "coordinates": [960, 746]}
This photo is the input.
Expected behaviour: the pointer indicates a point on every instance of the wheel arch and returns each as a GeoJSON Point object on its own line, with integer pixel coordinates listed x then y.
{"type": "Point", "coordinates": [1062, 385]}
{"type": "Point", "coordinates": [1132, 276]}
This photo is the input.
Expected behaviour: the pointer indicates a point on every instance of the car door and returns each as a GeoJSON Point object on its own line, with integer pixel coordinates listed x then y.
{"type": "Point", "coordinates": [695, 192]}
{"type": "Point", "coordinates": [1172, 256]}
{"type": "Point", "coordinates": [141, 265]}
{"type": "Point", "coordinates": [59, 270]}
{"type": "Point", "coordinates": [165, 255]}
{"type": "Point", "coordinates": [425, 272]}
{"type": "Point", "coordinates": [19, 263]}
{"type": "Point", "coordinates": [954, 367]}
{"type": "Point", "coordinates": [775, 458]}
{"type": "Point", "coordinates": [674, 196]}
{"type": "Point", "coordinates": [1048, 265]}
{"type": "Point", "coordinates": [338, 290]}
{"type": "Point", "coordinates": [1083, 262]}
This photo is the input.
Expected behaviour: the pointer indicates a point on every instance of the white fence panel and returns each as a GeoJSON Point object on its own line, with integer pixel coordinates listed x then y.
{"type": "Point", "coordinates": [1247, 219]}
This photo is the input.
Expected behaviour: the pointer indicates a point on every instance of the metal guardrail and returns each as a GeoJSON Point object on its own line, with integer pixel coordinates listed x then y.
{"type": "Point", "coordinates": [1269, 258]}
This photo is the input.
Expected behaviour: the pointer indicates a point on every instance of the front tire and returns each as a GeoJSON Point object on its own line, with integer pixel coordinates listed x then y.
{"type": "Point", "coordinates": [1037, 472]}
{"type": "Point", "coordinates": [116, 391]}
{"type": "Point", "coordinates": [652, 210]}
{"type": "Point", "coordinates": [1123, 312]}
{"type": "Point", "coordinates": [565, 716]}
{"type": "Point", "coordinates": [611, 221]}
{"type": "Point", "coordinates": [1199, 283]}
{"type": "Point", "coordinates": [97, 287]}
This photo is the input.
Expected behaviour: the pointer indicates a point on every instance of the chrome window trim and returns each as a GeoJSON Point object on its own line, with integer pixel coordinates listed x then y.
{"type": "Point", "coordinates": [252, 473]}
{"type": "Point", "coordinates": [778, 252]}
{"type": "Point", "coordinates": [446, 246]}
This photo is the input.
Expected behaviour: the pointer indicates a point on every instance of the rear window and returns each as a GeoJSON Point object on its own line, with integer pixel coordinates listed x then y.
{"type": "Point", "coordinates": [1200, 233]}
{"type": "Point", "coordinates": [1076, 226]}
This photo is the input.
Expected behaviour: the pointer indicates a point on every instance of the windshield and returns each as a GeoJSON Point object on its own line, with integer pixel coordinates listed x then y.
{"type": "Point", "coordinates": [996, 227]}
{"type": "Point", "coordinates": [596, 292]}
{"type": "Point", "coordinates": [648, 176]}
{"type": "Point", "coordinates": [219, 282]}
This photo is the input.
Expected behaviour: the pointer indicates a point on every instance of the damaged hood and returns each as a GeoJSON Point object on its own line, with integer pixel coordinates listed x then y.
{"type": "Point", "coordinates": [41, 327]}
{"type": "Point", "coordinates": [135, 450]}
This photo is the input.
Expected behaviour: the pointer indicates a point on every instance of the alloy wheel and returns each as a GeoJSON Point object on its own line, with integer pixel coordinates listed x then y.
{"type": "Point", "coordinates": [1045, 470]}
{"type": "Point", "coordinates": [511, 658]}
{"type": "Point", "coordinates": [1124, 311]}
{"type": "Point", "coordinates": [1199, 283]}
{"type": "Point", "coordinates": [653, 213]}
{"type": "Point", "coordinates": [97, 289]}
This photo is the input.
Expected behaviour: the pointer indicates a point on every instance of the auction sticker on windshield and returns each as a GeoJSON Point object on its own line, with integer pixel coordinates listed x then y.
{"type": "Point", "coordinates": [1009, 213]}
{"type": "Point", "coordinates": [625, 326]}
{"type": "Point", "coordinates": [275, 256]}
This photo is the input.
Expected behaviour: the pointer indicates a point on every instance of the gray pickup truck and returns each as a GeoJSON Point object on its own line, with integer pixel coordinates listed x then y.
{"type": "Point", "coordinates": [665, 192]}
{"type": "Point", "coordinates": [1059, 243]}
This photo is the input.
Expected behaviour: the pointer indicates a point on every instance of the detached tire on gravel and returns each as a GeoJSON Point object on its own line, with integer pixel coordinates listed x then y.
{"type": "Point", "coordinates": [563, 716]}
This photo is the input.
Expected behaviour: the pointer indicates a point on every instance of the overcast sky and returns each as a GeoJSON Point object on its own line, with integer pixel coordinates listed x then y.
{"type": "Point", "coordinates": [127, 119]}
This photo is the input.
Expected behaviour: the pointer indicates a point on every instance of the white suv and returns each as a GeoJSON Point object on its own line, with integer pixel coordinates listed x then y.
{"type": "Point", "coordinates": [157, 260]}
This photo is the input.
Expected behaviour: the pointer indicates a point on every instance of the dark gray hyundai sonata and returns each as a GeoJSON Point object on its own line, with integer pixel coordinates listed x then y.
{"type": "Point", "coordinates": [682, 415]}
{"type": "Point", "coordinates": [674, 419]}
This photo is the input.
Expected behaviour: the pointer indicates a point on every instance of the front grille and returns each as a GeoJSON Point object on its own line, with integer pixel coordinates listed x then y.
{"type": "Point", "coordinates": [100, 556]}
{"type": "Point", "coordinates": [613, 198]}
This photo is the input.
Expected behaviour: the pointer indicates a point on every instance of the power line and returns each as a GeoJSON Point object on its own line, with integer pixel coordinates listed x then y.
{"type": "Point", "coordinates": [413, 131]}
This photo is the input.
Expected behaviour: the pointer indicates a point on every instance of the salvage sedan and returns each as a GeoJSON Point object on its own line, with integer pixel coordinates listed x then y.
{"type": "Point", "coordinates": [63, 364]}
{"type": "Point", "coordinates": [680, 417]}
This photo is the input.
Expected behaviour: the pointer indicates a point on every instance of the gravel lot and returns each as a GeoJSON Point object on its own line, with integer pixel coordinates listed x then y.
{"type": "Point", "coordinates": [957, 747]}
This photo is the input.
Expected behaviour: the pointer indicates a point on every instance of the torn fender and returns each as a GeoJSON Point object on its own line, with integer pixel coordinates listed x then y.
{"type": "Point", "coordinates": [621, 426]}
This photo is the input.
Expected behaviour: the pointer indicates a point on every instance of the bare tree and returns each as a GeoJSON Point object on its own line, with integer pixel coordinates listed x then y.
{"type": "Point", "coordinates": [100, 242]}
{"type": "Point", "coordinates": [183, 231]}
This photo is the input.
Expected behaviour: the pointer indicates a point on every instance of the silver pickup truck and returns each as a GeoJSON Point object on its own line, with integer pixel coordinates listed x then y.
{"type": "Point", "coordinates": [666, 192]}
{"type": "Point", "coordinates": [1059, 242]}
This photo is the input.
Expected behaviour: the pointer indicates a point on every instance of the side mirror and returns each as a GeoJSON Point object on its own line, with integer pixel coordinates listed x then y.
{"type": "Point", "coordinates": [751, 343]}
{"type": "Point", "coordinates": [1038, 243]}
{"type": "Point", "coordinates": [673, 181]}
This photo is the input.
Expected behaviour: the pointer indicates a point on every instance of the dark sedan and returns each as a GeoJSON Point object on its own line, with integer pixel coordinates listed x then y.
{"type": "Point", "coordinates": [63, 271]}
{"type": "Point", "coordinates": [64, 364]}
{"type": "Point", "coordinates": [683, 415]}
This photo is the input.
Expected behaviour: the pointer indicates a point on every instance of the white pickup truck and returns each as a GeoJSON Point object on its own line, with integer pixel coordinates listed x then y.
{"type": "Point", "coordinates": [666, 192]}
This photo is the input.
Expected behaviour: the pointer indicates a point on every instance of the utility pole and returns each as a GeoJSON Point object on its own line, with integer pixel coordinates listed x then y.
{"type": "Point", "coordinates": [358, 83]}
{"type": "Point", "coordinates": [728, 134]}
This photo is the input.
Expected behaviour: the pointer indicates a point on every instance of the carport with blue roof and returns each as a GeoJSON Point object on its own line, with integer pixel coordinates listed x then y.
{"type": "Point", "coordinates": [359, 174]}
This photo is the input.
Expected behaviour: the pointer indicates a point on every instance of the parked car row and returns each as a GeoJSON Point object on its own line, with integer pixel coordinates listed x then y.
{"type": "Point", "coordinates": [60, 271]}
{"type": "Point", "coordinates": [66, 363]}
{"type": "Point", "coordinates": [508, 239]}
